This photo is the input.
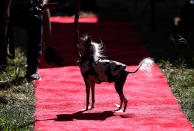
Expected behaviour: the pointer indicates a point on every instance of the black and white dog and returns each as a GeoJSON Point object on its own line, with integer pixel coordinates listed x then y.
{"type": "Point", "coordinates": [96, 69]}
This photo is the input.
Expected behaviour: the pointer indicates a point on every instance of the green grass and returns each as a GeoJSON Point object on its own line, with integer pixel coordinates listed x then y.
{"type": "Point", "coordinates": [18, 113]}
{"type": "Point", "coordinates": [181, 80]}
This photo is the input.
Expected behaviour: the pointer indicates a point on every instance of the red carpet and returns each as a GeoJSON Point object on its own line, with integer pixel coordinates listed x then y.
{"type": "Point", "coordinates": [60, 94]}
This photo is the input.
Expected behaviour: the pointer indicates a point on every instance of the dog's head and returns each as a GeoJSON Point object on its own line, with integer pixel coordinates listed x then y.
{"type": "Point", "coordinates": [84, 46]}
{"type": "Point", "coordinates": [88, 48]}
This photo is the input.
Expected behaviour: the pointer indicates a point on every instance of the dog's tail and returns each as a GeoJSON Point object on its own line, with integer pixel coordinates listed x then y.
{"type": "Point", "coordinates": [145, 65]}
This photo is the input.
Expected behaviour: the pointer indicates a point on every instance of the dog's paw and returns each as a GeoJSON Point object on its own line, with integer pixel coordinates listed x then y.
{"type": "Point", "coordinates": [119, 111]}
{"type": "Point", "coordinates": [86, 109]}
{"type": "Point", "coordinates": [90, 107]}
{"type": "Point", "coordinates": [117, 105]}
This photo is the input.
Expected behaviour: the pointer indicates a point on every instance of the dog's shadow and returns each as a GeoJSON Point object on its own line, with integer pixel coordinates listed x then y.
{"type": "Point", "coordinates": [89, 116]}
{"type": "Point", "coordinates": [85, 116]}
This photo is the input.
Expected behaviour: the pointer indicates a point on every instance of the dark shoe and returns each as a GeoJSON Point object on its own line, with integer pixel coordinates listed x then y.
{"type": "Point", "coordinates": [53, 57]}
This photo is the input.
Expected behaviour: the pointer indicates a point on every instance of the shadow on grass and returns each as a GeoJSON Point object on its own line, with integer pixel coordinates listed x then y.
{"type": "Point", "coordinates": [8, 84]}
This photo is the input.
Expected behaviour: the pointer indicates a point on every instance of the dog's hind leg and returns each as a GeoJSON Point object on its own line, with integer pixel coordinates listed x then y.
{"type": "Point", "coordinates": [121, 101]}
{"type": "Point", "coordinates": [119, 88]}
{"type": "Point", "coordinates": [125, 102]}
{"type": "Point", "coordinates": [92, 85]}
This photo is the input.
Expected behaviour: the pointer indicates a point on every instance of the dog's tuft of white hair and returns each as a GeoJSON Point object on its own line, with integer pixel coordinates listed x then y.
{"type": "Point", "coordinates": [98, 51]}
{"type": "Point", "coordinates": [146, 65]}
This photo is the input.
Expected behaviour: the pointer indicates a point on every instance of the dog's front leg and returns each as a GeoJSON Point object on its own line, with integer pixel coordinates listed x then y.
{"type": "Point", "coordinates": [87, 97]}
{"type": "Point", "coordinates": [92, 85]}
{"type": "Point", "coordinates": [87, 94]}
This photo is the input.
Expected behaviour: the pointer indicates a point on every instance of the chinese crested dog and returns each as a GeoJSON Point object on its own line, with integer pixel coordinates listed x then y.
{"type": "Point", "coordinates": [96, 69]}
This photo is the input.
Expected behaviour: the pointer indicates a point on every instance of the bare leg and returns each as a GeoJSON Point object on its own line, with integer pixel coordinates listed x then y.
{"type": "Point", "coordinates": [125, 102]}
{"type": "Point", "coordinates": [121, 102]}
{"type": "Point", "coordinates": [93, 94]}
{"type": "Point", "coordinates": [87, 97]}
{"type": "Point", "coordinates": [119, 91]}
{"type": "Point", "coordinates": [119, 88]}
{"type": "Point", "coordinates": [87, 93]}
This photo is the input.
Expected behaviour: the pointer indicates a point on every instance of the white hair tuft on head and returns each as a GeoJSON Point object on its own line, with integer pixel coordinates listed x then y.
{"type": "Point", "coordinates": [98, 51]}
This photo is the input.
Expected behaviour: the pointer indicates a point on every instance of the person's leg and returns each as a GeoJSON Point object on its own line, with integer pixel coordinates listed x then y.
{"type": "Point", "coordinates": [3, 51]}
{"type": "Point", "coordinates": [34, 50]}
{"type": "Point", "coordinates": [51, 55]}
{"type": "Point", "coordinates": [3, 60]}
